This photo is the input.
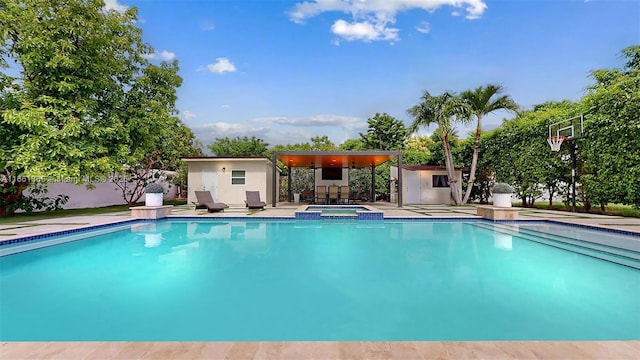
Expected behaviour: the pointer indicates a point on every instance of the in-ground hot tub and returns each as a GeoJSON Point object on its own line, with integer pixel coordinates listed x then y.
{"type": "Point", "coordinates": [318, 212]}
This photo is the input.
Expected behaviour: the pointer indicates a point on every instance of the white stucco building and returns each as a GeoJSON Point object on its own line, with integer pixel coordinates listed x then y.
{"type": "Point", "coordinates": [227, 178]}
{"type": "Point", "coordinates": [425, 184]}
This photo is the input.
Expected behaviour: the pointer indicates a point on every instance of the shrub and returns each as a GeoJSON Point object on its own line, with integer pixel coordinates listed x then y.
{"type": "Point", "coordinates": [154, 189]}
{"type": "Point", "coordinates": [502, 188]}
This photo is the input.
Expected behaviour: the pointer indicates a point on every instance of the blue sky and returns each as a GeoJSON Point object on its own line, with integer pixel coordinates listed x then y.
{"type": "Point", "coordinates": [285, 71]}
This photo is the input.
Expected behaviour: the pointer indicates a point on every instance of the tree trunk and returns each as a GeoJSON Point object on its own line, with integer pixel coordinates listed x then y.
{"type": "Point", "coordinates": [474, 162]}
{"type": "Point", "coordinates": [451, 172]}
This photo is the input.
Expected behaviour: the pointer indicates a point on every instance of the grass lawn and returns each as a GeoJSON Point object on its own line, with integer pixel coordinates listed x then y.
{"type": "Point", "coordinates": [611, 209]}
{"type": "Point", "coordinates": [35, 216]}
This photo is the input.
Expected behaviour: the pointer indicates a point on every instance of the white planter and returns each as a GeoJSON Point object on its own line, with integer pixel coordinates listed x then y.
{"type": "Point", "coordinates": [153, 199]}
{"type": "Point", "coordinates": [502, 200]}
{"type": "Point", "coordinates": [296, 198]}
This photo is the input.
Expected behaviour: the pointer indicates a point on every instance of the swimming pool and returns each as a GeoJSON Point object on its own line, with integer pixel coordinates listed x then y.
{"type": "Point", "coordinates": [317, 280]}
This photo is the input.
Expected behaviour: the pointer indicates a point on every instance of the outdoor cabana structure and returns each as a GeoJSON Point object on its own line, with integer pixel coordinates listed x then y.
{"type": "Point", "coordinates": [334, 160]}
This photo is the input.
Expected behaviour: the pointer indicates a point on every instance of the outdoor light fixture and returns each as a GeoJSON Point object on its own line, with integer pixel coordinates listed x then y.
{"type": "Point", "coordinates": [353, 164]}
{"type": "Point", "coordinates": [313, 166]}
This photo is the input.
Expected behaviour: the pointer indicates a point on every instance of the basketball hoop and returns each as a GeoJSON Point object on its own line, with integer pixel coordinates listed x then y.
{"type": "Point", "coordinates": [555, 142]}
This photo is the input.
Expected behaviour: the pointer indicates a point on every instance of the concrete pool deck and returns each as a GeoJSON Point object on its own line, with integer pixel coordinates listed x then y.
{"type": "Point", "coordinates": [320, 350]}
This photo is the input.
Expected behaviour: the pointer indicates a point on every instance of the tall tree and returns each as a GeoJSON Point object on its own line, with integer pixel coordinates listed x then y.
{"type": "Point", "coordinates": [352, 145]}
{"type": "Point", "coordinates": [75, 60]}
{"type": "Point", "coordinates": [442, 110]}
{"type": "Point", "coordinates": [384, 133]}
{"type": "Point", "coordinates": [153, 133]}
{"type": "Point", "coordinates": [239, 146]}
{"type": "Point", "coordinates": [483, 101]}
{"type": "Point", "coordinates": [416, 150]}
{"type": "Point", "coordinates": [322, 143]}
{"type": "Point", "coordinates": [85, 102]}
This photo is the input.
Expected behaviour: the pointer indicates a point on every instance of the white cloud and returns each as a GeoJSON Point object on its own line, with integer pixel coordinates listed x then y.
{"type": "Point", "coordinates": [209, 132]}
{"type": "Point", "coordinates": [365, 31]}
{"type": "Point", "coordinates": [207, 26]}
{"type": "Point", "coordinates": [113, 5]}
{"type": "Point", "coordinates": [163, 55]}
{"type": "Point", "coordinates": [225, 106]}
{"type": "Point", "coordinates": [222, 65]}
{"type": "Point", "coordinates": [424, 27]}
{"type": "Point", "coordinates": [284, 130]}
{"type": "Point", "coordinates": [188, 115]}
{"type": "Point", "coordinates": [456, 13]}
{"type": "Point", "coordinates": [371, 18]}
{"type": "Point", "coordinates": [319, 120]}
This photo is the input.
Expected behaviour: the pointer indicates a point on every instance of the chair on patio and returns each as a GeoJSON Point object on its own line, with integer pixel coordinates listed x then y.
{"type": "Point", "coordinates": [321, 194]}
{"type": "Point", "coordinates": [307, 196]}
{"type": "Point", "coordinates": [205, 201]}
{"type": "Point", "coordinates": [333, 193]}
{"type": "Point", "coordinates": [253, 200]}
{"type": "Point", "coordinates": [344, 195]}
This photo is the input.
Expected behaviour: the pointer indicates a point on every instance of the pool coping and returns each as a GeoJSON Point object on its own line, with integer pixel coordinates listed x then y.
{"type": "Point", "coordinates": [29, 238]}
{"type": "Point", "coordinates": [617, 349]}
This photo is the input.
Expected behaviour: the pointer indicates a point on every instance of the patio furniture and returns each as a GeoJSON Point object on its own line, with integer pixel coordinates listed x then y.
{"type": "Point", "coordinates": [307, 196]}
{"type": "Point", "coordinates": [333, 193]}
{"type": "Point", "coordinates": [205, 201]}
{"type": "Point", "coordinates": [321, 194]}
{"type": "Point", "coordinates": [253, 200]}
{"type": "Point", "coordinates": [344, 195]}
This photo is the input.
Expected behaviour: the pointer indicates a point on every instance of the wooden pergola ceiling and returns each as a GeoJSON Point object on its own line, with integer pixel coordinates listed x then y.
{"type": "Point", "coordinates": [346, 159]}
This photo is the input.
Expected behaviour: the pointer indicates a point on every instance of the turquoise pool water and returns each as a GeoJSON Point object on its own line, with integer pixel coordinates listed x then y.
{"type": "Point", "coordinates": [314, 280]}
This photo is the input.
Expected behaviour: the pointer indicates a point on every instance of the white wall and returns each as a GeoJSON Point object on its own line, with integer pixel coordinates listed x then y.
{"type": "Point", "coordinates": [104, 194]}
{"type": "Point", "coordinates": [417, 187]}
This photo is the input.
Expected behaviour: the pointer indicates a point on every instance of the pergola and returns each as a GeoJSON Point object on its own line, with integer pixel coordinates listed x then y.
{"type": "Point", "coordinates": [337, 159]}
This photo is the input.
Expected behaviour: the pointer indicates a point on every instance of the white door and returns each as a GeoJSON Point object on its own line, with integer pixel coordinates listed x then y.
{"type": "Point", "coordinates": [411, 185]}
{"type": "Point", "coordinates": [210, 182]}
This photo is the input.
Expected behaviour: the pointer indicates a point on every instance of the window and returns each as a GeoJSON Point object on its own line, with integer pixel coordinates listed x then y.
{"type": "Point", "coordinates": [440, 181]}
{"type": "Point", "coordinates": [238, 177]}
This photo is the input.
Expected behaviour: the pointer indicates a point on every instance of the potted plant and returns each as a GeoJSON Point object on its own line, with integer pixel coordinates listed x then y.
{"type": "Point", "coordinates": [502, 195]}
{"type": "Point", "coordinates": [301, 180]}
{"type": "Point", "coordinates": [154, 194]}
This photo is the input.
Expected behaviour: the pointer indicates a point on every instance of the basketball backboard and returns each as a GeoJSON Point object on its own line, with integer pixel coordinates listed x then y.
{"type": "Point", "coordinates": [567, 129]}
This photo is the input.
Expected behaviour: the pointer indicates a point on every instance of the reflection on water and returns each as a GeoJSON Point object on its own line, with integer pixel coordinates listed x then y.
{"type": "Point", "coordinates": [502, 241]}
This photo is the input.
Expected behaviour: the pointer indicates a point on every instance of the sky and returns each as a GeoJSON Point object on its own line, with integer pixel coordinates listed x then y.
{"type": "Point", "coordinates": [285, 71]}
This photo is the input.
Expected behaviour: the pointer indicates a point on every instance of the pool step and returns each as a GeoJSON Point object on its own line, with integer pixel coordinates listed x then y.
{"type": "Point", "coordinates": [624, 252]}
{"type": "Point", "coordinates": [609, 253]}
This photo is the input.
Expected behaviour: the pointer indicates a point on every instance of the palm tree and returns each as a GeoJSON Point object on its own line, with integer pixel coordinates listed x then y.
{"type": "Point", "coordinates": [483, 101]}
{"type": "Point", "coordinates": [441, 110]}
